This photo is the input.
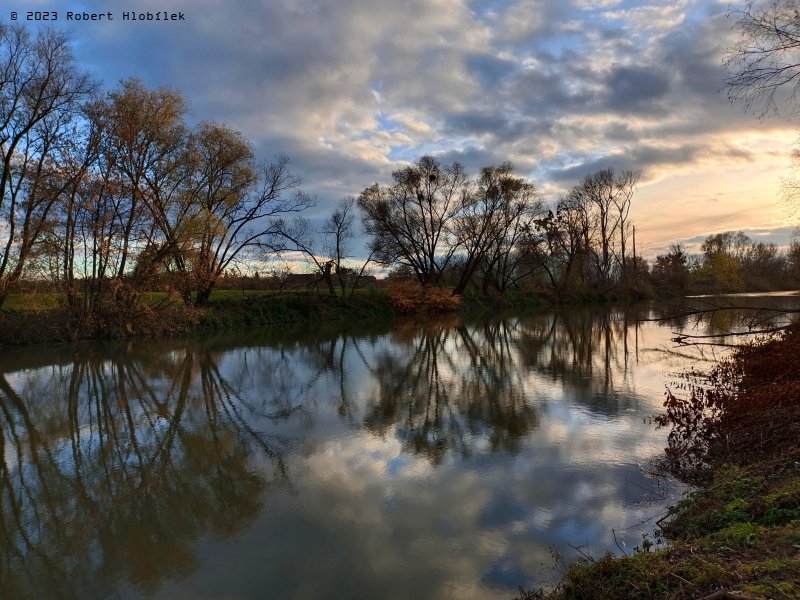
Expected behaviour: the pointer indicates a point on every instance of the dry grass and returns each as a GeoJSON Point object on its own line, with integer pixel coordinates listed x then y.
{"type": "Point", "coordinates": [409, 297]}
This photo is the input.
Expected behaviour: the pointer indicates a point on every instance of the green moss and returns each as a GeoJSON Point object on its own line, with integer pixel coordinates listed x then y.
{"type": "Point", "coordinates": [740, 532]}
{"type": "Point", "coordinates": [786, 494]}
{"type": "Point", "coordinates": [739, 536]}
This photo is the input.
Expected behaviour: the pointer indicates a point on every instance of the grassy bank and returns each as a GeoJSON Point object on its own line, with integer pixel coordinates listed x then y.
{"type": "Point", "coordinates": [34, 323]}
{"type": "Point", "coordinates": [737, 535]}
{"type": "Point", "coordinates": [43, 317]}
{"type": "Point", "coordinates": [237, 312]}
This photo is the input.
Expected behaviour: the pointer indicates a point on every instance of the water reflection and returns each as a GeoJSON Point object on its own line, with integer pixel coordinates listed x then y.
{"type": "Point", "coordinates": [442, 385]}
{"type": "Point", "coordinates": [590, 350]}
{"type": "Point", "coordinates": [437, 458]}
{"type": "Point", "coordinates": [114, 466]}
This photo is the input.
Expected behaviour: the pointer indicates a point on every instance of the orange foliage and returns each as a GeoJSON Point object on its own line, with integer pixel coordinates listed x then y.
{"type": "Point", "coordinates": [409, 297]}
{"type": "Point", "coordinates": [748, 408]}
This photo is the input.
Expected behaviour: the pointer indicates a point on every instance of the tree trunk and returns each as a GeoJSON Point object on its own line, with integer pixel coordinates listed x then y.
{"type": "Point", "coordinates": [203, 295]}
{"type": "Point", "coordinates": [327, 274]}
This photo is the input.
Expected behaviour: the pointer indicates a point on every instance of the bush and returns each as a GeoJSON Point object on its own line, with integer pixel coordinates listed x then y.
{"type": "Point", "coordinates": [410, 297]}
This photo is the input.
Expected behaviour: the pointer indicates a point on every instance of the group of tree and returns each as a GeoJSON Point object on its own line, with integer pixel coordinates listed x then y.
{"type": "Point", "coordinates": [109, 193]}
{"type": "Point", "coordinates": [106, 194]}
{"type": "Point", "coordinates": [494, 232]}
{"type": "Point", "coordinates": [729, 262]}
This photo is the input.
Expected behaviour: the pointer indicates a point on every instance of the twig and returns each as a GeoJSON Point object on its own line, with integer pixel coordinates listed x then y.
{"type": "Point", "coordinates": [582, 553]}
{"type": "Point", "coordinates": [681, 578]}
{"type": "Point", "coordinates": [617, 543]}
{"type": "Point", "coordinates": [734, 333]}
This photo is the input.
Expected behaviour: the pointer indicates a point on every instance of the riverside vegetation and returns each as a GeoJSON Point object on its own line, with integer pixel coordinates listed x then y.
{"type": "Point", "coordinates": [734, 434]}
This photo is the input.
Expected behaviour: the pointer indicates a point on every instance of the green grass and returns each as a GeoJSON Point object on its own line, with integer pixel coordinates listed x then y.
{"type": "Point", "coordinates": [33, 301]}
{"type": "Point", "coordinates": [40, 301]}
{"type": "Point", "coordinates": [228, 311]}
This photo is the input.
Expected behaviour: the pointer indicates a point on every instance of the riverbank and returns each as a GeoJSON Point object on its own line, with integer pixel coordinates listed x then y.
{"type": "Point", "coordinates": [737, 535]}
{"type": "Point", "coordinates": [44, 317]}
{"type": "Point", "coordinates": [228, 311]}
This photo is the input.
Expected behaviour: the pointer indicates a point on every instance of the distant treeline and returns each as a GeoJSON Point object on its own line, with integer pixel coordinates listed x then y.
{"type": "Point", "coordinates": [107, 194]}
{"type": "Point", "coordinates": [730, 262]}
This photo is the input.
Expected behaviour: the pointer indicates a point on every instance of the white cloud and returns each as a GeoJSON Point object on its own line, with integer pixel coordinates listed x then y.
{"type": "Point", "coordinates": [351, 90]}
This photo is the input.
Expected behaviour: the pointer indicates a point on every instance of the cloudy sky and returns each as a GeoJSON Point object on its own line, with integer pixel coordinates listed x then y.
{"type": "Point", "coordinates": [350, 89]}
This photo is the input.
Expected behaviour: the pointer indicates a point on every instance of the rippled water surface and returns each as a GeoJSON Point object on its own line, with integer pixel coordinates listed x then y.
{"type": "Point", "coordinates": [424, 459]}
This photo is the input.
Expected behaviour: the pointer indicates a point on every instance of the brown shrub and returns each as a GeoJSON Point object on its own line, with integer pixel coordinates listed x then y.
{"type": "Point", "coordinates": [409, 297]}
{"type": "Point", "coordinates": [747, 408]}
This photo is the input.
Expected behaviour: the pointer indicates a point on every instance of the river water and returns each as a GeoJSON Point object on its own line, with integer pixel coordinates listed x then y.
{"type": "Point", "coordinates": [439, 458]}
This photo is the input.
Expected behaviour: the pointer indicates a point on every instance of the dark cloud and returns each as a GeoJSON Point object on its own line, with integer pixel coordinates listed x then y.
{"type": "Point", "coordinates": [481, 123]}
{"type": "Point", "coordinates": [490, 70]}
{"type": "Point", "coordinates": [475, 157]}
{"type": "Point", "coordinates": [642, 158]}
{"type": "Point", "coordinates": [637, 90]}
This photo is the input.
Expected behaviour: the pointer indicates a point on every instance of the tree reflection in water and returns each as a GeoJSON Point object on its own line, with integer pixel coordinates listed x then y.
{"type": "Point", "coordinates": [115, 466]}
{"type": "Point", "coordinates": [444, 385]}
{"type": "Point", "coordinates": [126, 467]}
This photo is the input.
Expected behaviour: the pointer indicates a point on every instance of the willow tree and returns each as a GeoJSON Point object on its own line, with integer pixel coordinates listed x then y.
{"type": "Point", "coordinates": [144, 143]}
{"type": "Point", "coordinates": [410, 221]}
{"type": "Point", "coordinates": [223, 173]}
{"type": "Point", "coordinates": [238, 209]}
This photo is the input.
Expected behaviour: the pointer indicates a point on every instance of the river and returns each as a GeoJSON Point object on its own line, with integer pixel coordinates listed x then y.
{"type": "Point", "coordinates": [428, 458]}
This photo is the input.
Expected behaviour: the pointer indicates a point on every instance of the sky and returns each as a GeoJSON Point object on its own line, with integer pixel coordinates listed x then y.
{"type": "Point", "coordinates": [351, 90]}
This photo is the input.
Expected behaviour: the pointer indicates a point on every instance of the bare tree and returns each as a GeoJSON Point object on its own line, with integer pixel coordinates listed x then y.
{"type": "Point", "coordinates": [562, 243]}
{"type": "Point", "coordinates": [90, 225]}
{"type": "Point", "coordinates": [764, 69]}
{"type": "Point", "coordinates": [280, 273]}
{"type": "Point", "coordinates": [41, 91]}
{"type": "Point", "coordinates": [410, 221]}
{"type": "Point", "coordinates": [604, 200]}
{"type": "Point", "coordinates": [764, 64]}
{"type": "Point", "coordinates": [493, 214]}
{"type": "Point", "coordinates": [511, 258]}
{"type": "Point", "coordinates": [329, 249]}
{"type": "Point", "coordinates": [248, 224]}
{"type": "Point", "coordinates": [338, 232]}
{"type": "Point", "coordinates": [73, 188]}
{"type": "Point", "coordinates": [299, 236]}
{"type": "Point", "coordinates": [625, 184]}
